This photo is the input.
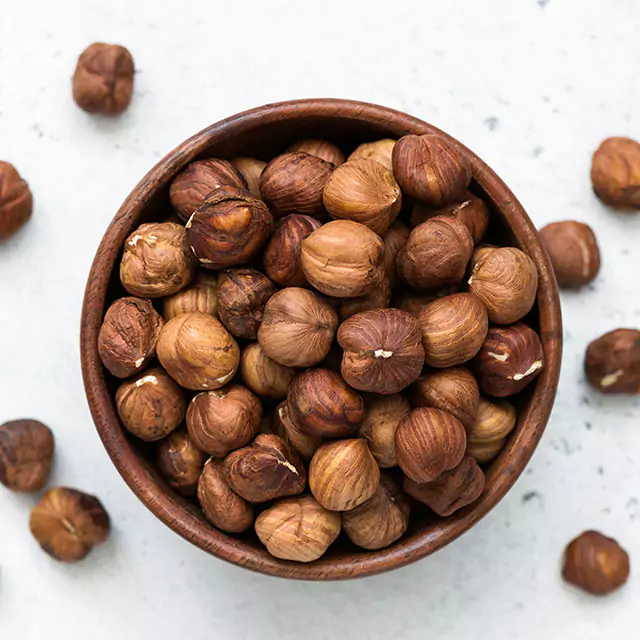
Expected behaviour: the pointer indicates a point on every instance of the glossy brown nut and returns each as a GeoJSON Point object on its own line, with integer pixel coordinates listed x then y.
{"type": "Point", "coordinates": [394, 239]}
{"type": "Point", "coordinates": [488, 434]}
{"type": "Point", "coordinates": [26, 454]}
{"type": "Point", "coordinates": [430, 169]}
{"type": "Point", "coordinates": [454, 390]}
{"type": "Point", "coordinates": [509, 360]}
{"type": "Point", "coordinates": [263, 375]}
{"type": "Point", "coordinates": [157, 260]}
{"type": "Point", "coordinates": [180, 461]}
{"type": "Point", "coordinates": [379, 298]}
{"type": "Point", "coordinates": [242, 295]}
{"type": "Point", "coordinates": [128, 336]}
{"type": "Point", "coordinates": [453, 329]}
{"type": "Point", "coordinates": [615, 173]}
{"type": "Point", "coordinates": [383, 350]}
{"type": "Point", "coordinates": [151, 405]}
{"type": "Point", "coordinates": [200, 296]}
{"type": "Point", "coordinates": [612, 362]}
{"type": "Point", "coordinates": [381, 151]}
{"type": "Point", "coordinates": [297, 529]}
{"type": "Point", "coordinates": [294, 182]}
{"type": "Point", "coordinates": [267, 469]}
{"type": "Point", "coordinates": [103, 79]}
{"type": "Point", "coordinates": [428, 443]}
{"type": "Point", "coordinates": [595, 563]}
{"type": "Point", "coordinates": [453, 490]}
{"type": "Point", "coordinates": [198, 352]}
{"type": "Point", "coordinates": [251, 170]}
{"type": "Point", "coordinates": [305, 444]}
{"type": "Point", "coordinates": [320, 148]}
{"type": "Point", "coordinates": [343, 474]}
{"type": "Point", "coordinates": [68, 523]}
{"type": "Point", "coordinates": [16, 201]}
{"type": "Point", "coordinates": [381, 520]}
{"type": "Point", "coordinates": [322, 404]}
{"type": "Point", "coordinates": [436, 254]}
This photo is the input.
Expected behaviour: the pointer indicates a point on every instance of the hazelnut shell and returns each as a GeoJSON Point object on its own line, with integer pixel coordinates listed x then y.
{"type": "Point", "coordinates": [200, 296]}
{"type": "Point", "coordinates": [381, 151]}
{"type": "Point", "coordinates": [16, 201]}
{"type": "Point", "coordinates": [305, 444]}
{"type": "Point", "coordinates": [324, 149]}
{"type": "Point", "coordinates": [263, 375]}
{"type": "Point", "coordinates": [251, 170]}
{"type": "Point", "coordinates": [615, 173]}
{"type": "Point", "coordinates": [180, 461]}
{"type": "Point", "coordinates": [612, 362]}
{"type": "Point", "coordinates": [487, 436]}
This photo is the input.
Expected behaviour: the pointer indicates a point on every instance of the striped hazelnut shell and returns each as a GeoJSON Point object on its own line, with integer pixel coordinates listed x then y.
{"type": "Point", "coordinates": [487, 436]}
{"type": "Point", "coordinates": [612, 362]}
{"type": "Point", "coordinates": [324, 149]}
{"type": "Point", "coordinates": [201, 295]}
{"type": "Point", "coordinates": [615, 173]}
{"type": "Point", "coordinates": [250, 169]}
{"type": "Point", "coordinates": [180, 461]}
{"type": "Point", "coordinates": [262, 374]}
{"type": "Point", "coordinates": [381, 151]}
{"type": "Point", "coordinates": [304, 443]}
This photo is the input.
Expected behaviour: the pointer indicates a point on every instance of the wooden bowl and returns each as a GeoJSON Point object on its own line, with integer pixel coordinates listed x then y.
{"type": "Point", "coordinates": [264, 132]}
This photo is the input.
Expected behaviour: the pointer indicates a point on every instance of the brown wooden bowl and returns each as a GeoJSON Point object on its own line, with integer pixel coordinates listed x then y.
{"type": "Point", "coordinates": [264, 132]}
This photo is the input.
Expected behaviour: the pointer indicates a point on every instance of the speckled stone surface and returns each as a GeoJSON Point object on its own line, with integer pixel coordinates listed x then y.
{"type": "Point", "coordinates": [532, 86]}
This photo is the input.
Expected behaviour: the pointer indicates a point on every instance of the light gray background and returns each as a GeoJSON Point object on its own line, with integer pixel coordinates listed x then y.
{"type": "Point", "coordinates": [532, 86]}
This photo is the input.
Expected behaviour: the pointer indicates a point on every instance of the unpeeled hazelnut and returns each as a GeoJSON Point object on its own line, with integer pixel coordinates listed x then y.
{"type": "Point", "coordinates": [615, 173]}
{"type": "Point", "coordinates": [394, 239]}
{"type": "Point", "coordinates": [488, 434]}
{"type": "Point", "coordinates": [379, 298]}
{"type": "Point", "coordinates": [320, 148]}
{"type": "Point", "coordinates": [612, 362]}
{"type": "Point", "coordinates": [180, 461]}
{"type": "Point", "coordinates": [16, 201]}
{"type": "Point", "coordinates": [251, 170]}
{"type": "Point", "coordinates": [263, 375]}
{"type": "Point", "coordinates": [381, 151]}
{"type": "Point", "coordinates": [201, 295]}
{"type": "Point", "coordinates": [304, 443]}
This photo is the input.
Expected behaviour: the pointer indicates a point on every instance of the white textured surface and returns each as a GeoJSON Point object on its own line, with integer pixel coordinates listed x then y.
{"type": "Point", "coordinates": [532, 86]}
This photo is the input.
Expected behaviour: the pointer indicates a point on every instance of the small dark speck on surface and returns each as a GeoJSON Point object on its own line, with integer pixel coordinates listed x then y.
{"type": "Point", "coordinates": [545, 98]}
{"type": "Point", "coordinates": [606, 510]}
{"type": "Point", "coordinates": [529, 471]}
{"type": "Point", "coordinates": [632, 502]}
{"type": "Point", "coordinates": [600, 471]}
{"type": "Point", "coordinates": [537, 151]}
{"type": "Point", "coordinates": [519, 605]}
{"type": "Point", "coordinates": [530, 495]}
{"type": "Point", "coordinates": [588, 425]}
{"type": "Point", "coordinates": [542, 3]}
{"type": "Point", "coordinates": [585, 400]}
{"type": "Point", "coordinates": [624, 252]}
{"type": "Point", "coordinates": [491, 123]}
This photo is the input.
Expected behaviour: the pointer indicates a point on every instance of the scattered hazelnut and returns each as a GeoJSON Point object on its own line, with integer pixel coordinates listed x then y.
{"type": "Point", "coordinates": [414, 303]}
{"type": "Point", "coordinates": [321, 404]}
{"type": "Point", "coordinates": [574, 252]}
{"type": "Point", "coordinates": [297, 327]}
{"type": "Point", "coordinates": [383, 350]}
{"type": "Point", "coordinates": [103, 79]}
{"type": "Point", "coordinates": [26, 454]}
{"type": "Point", "coordinates": [198, 352]}
{"type": "Point", "coordinates": [294, 182]}
{"type": "Point", "coordinates": [428, 443]}
{"type": "Point", "coordinates": [201, 295]}
{"type": "Point", "coordinates": [151, 405]}
{"type": "Point", "coordinates": [379, 298]}
{"type": "Point", "coordinates": [324, 149]}
{"type": "Point", "coordinates": [157, 260]}
{"type": "Point", "coordinates": [251, 170]}
{"type": "Point", "coordinates": [596, 564]}
{"type": "Point", "coordinates": [180, 461]}
{"type": "Point", "coordinates": [381, 520]}
{"type": "Point", "coordinates": [343, 474]}
{"type": "Point", "coordinates": [263, 375]}
{"type": "Point", "coordinates": [267, 469]}
{"type": "Point", "coordinates": [612, 362]}
{"type": "Point", "coordinates": [381, 151]}
{"type": "Point", "coordinates": [430, 169]}
{"type": "Point", "coordinates": [224, 508]}
{"type": "Point", "coordinates": [68, 523]}
{"type": "Point", "coordinates": [343, 259]}
{"type": "Point", "coordinates": [451, 491]}
{"type": "Point", "coordinates": [394, 239]}
{"type": "Point", "coordinates": [304, 443]}
{"type": "Point", "coordinates": [16, 201]}
{"type": "Point", "coordinates": [453, 329]}
{"type": "Point", "coordinates": [128, 336]}
{"type": "Point", "coordinates": [488, 434]}
{"type": "Point", "coordinates": [615, 173]}
{"type": "Point", "coordinates": [510, 358]}
{"type": "Point", "coordinates": [242, 294]}
{"type": "Point", "coordinates": [297, 529]}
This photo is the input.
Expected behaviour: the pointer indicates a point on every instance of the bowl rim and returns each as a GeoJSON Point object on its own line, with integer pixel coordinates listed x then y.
{"type": "Point", "coordinates": [176, 513]}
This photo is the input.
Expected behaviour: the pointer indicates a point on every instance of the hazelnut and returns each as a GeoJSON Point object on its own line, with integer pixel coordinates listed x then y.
{"type": "Point", "coordinates": [157, 260]}
{"type": "Point", "coordinates": [451, 491]}
{"type": "Point", "coordinates": [394, 239]}
{"type": "Point", "coordinates": [180, 461]}
{"type": "Point", "coordinates": [304, 443]}
{"type": "Point", "coordinates": [103, 79]}
{"type": "Point", "coordinates": [267, 469]}
{"type": "Point", "coordinates": [363, 191]}
{"type": "Point", "coordinates": [16, 201]}
{"type": "Point", "coordinates": [128, 336]}
{"type": "Point", "coordinates": [294, 182]}
{"type": "Point", "coordinates": [251, 170]}
{"type": "Point", "coordinates": [224, 508]}
{"type": "Point", "coordinates": [379, 426]}
{"type": "Point", "coordinates": [612, 362]}
{"type": "Point", "coordinates": [453, 329]}
{"type": "Point", "coordinates": [430, 169]}
{"type": "Point", "coordinates": [281, 258]}
{"type": "Point", "coordinates": [510, 358]}
{"type": "Point", "coordinates": [263, 375]}
{"type": "Point", "coordinates": [615, 173]}
{"type": "Point", "coordinates": [151, 405]}
{"type": "Point", "coordinates": [297, 529]}
{"type": "Point", "coordinates": [297, 327]}
{"type": "Point", "coordinates": [26, 454]}
{"type": "Point", "coordinates": [506, 280]}
{"type": "Point", "coordinates": [436, 254]}
{"type": "Point", "coordinates": [343, 259]}
{"type": "Point", "coordinates": [488, 434]}
{"type": "Point", "coordinates": [383, 350]}
{"type": "Point", "coordinates": [414, 303]}
{"type": "Point", "coordinates": [381, 520]}
{"type": "Point", "coordinates": [228, 228]}
{"type": "Point", "coordinates": [379, 298]}
{"type": "Point", "coordinates": [198, 179]}
{"type": "Point", "coordinates": [242, 294]}
{"type": "Point", "coordinates": [381, 151]}
{"type": "Point", "coordinates": [454, 390]}
{"type": "Point", "coordinates": [343, 474]}
{"type": "Point", "coordinates": [323, 405]}
{"type": "Point", "coordinates": [198, 352]}
{"type": "Point", "coordinates": [68, 523]}
{"type": "Point", "coordinates": [320, 148]}
{"type": "Point", "coordinates": [596, 564]}
{"type": "Point", "coordinates": [201, 295]}
{"type": "Point", "coordinates": [428, 443]}
{"type": "Point", "coordinates": [574, 252]}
